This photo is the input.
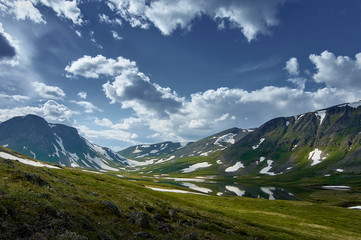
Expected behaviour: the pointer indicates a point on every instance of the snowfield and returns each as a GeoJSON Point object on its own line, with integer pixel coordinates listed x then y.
{"type": "Point", "coordinates": [25, 161]}
{"type": "Point", "coordinates": [196, 166]}
{"type": "Point", "coordinates": [235, 167]}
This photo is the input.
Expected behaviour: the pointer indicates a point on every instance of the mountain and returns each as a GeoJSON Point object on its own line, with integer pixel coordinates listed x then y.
{"type": "Point", "coordinates": [151, 150]}
{"type": "Point", "coordinates": [56, 143]}
{"type": "Point", "coordinates": [322, 142]}
{"type": "Point", "coordinates": [203, 147]}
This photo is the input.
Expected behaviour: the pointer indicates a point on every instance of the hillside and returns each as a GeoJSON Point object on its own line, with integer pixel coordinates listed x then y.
{"type": "Point", "coordinates": [318, 143]}
{"type": "Point", "coordinates": [38, 202]}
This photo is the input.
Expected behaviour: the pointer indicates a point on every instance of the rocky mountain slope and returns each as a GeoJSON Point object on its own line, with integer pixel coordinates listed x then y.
{"type": "Point", "coordinates": [323, 142]}
{"type": "Point", "coordinates": [203, 147]}
{"type": "Point", "coordinates": [56, 143]}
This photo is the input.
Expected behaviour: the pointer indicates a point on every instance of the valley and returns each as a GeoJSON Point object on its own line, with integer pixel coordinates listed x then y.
{"type": "Point", "coordinates": [293, 177]}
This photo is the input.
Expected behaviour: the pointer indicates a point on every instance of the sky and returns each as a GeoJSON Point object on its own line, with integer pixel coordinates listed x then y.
{"type": "Point", "coordinates": [126, 72]}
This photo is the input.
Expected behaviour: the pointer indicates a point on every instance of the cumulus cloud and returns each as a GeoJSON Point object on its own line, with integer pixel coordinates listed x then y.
{"type": "Point", "coordinates": [49, 92]}
{"type": "Point", "coordinates": [50, 110]}
{"type": "Point", "coordinates": [82, 95]}
{"type": "Point", "coordinates": [93, 67]}
{"type": "Point", "coordinates": [134, 90]}
{"type": "Point", "coordinates": [8, 48]}
{"type": "Point", "coordinates": [162, 115]}
{"type": "Point", "coordinates": [251, 17]}
{"type": "Point", "coordinates": [64, 8]}
{"type": "Point", "coordinates": [341, 71]}
{"type": "Point", "coordinates": [88, 106]}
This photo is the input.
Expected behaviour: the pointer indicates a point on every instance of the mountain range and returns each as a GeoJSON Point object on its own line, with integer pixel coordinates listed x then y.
{"type": "Point", "coordinates": [322, 143]}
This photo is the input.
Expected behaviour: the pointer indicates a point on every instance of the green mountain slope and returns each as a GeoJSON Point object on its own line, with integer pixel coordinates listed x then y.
{"type": "Point", "coordinates": [317, 143]}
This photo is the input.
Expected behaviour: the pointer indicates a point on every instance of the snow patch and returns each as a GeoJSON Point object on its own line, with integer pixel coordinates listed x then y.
{"type": "Point", "coordinates": [136, 150]}
{"type": "Point", "coordinates": [196, 166]}
{"type": "Point", "coordinates": [236, 190]}
{"type": "Point", "coordinates": [134, 163]}
{"type": "Point", "coordinates": [5, 145]}
{"type": "Point", "coordinates": [260, 142]}
{"type": "Point", "coordinates": [34, 155]}
{"type": "Point", "coordinates": [287, 123]}
{"type": "Point", "coordinates": [228, 138]}
{"type": "Point", "coordinates": [186, 179]}
{"type": "Point", "coordinates": [145, 146]}
{"type": "Point", "coordinates": [25, 161]}
{"type": "Point", "coordinates": [321, 115]}
{"type": "Point", "coordinates": [266, 169]}
{"type": "Point", "coordinates": [355, 104]}
{"type": "Point", "coordinates": [315, 156]}
{"type": "Point", "coordinates": [339, 170]}
{"type": "Point", "coordinates": [355, 207]}
{"type": "Point", "coordinates": [219, 162]}
{"type": "Point", "coordinates": [219, 193]}
{"type": "Point", "coordinates": [154, 151]}
{"type": "Point", "coordinates": [235, 167]}
{"type": "Point", "coordinates": [261, 159]}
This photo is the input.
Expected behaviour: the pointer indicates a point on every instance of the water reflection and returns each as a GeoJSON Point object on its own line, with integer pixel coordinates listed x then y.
{"type": "Point", "coordinates": [253, 191]}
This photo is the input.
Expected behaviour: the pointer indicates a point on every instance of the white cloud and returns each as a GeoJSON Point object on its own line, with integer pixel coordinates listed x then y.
{"type": "Point", "coordinates": [50, 110]}
{"type": "Point", "coordinates": [113, 134]}
{"type": "Point", "coordinates": [49, 92]}
{"type": "Point", "coordinates": [88, 106]}
{"type": "Point", "coordinates": [162, 115]}
{"type": "Point", "coordinates": [17, 98]}
{"type": "Point", "coordinates": [22, 10]}
{"type": "Point", "coordinates": [116, 36]}
{"type": "Point", "coordinates": [342, 72]}
{"type": "Point", "coordinates": [82, 95]}
{"type": "Point", "coordinates": [67, 9]}
{"type": "Point", "coordinates": [92, 67]}
{"type": "Point", "coordinates": [251, 17]}
{"type": "Point", "coordinates": [292, 67]}
{"type": "Point", "coordinates": [104, 122]}
{"type": "Point", "coordinates": [133, 89]}
{"type": "Point", "coordinates": [105, 19]}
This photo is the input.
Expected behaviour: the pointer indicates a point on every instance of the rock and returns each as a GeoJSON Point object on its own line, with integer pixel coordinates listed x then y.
{"type": "Point", "coordinates": [165, 227]}
{"type": "Point", "coordinates": [157, 217]}
{"type": "Point", "coordinates": [36, 179]}
{"type": "Point", "coordinates": [144, 235]}
{"type": "Point", "coordinates": [172, 213]}
{"type": "Point", "coordinates": [111, 206]}
{"type": "Point", "coordinates": [190, 236]}
{"type": "Point", "coordinates": [142, 220]}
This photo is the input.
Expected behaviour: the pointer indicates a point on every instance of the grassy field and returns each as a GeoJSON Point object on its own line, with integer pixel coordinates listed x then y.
{"type": "Point", "coordinates": [43, 203]}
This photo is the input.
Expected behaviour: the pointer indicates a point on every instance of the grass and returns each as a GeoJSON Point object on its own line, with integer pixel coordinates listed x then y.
{"type": "Point", "coordinates": [72, 205]}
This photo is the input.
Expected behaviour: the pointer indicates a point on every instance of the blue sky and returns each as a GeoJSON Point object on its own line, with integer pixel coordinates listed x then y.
{"type": "Point", "coordinates": [126, 72]}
